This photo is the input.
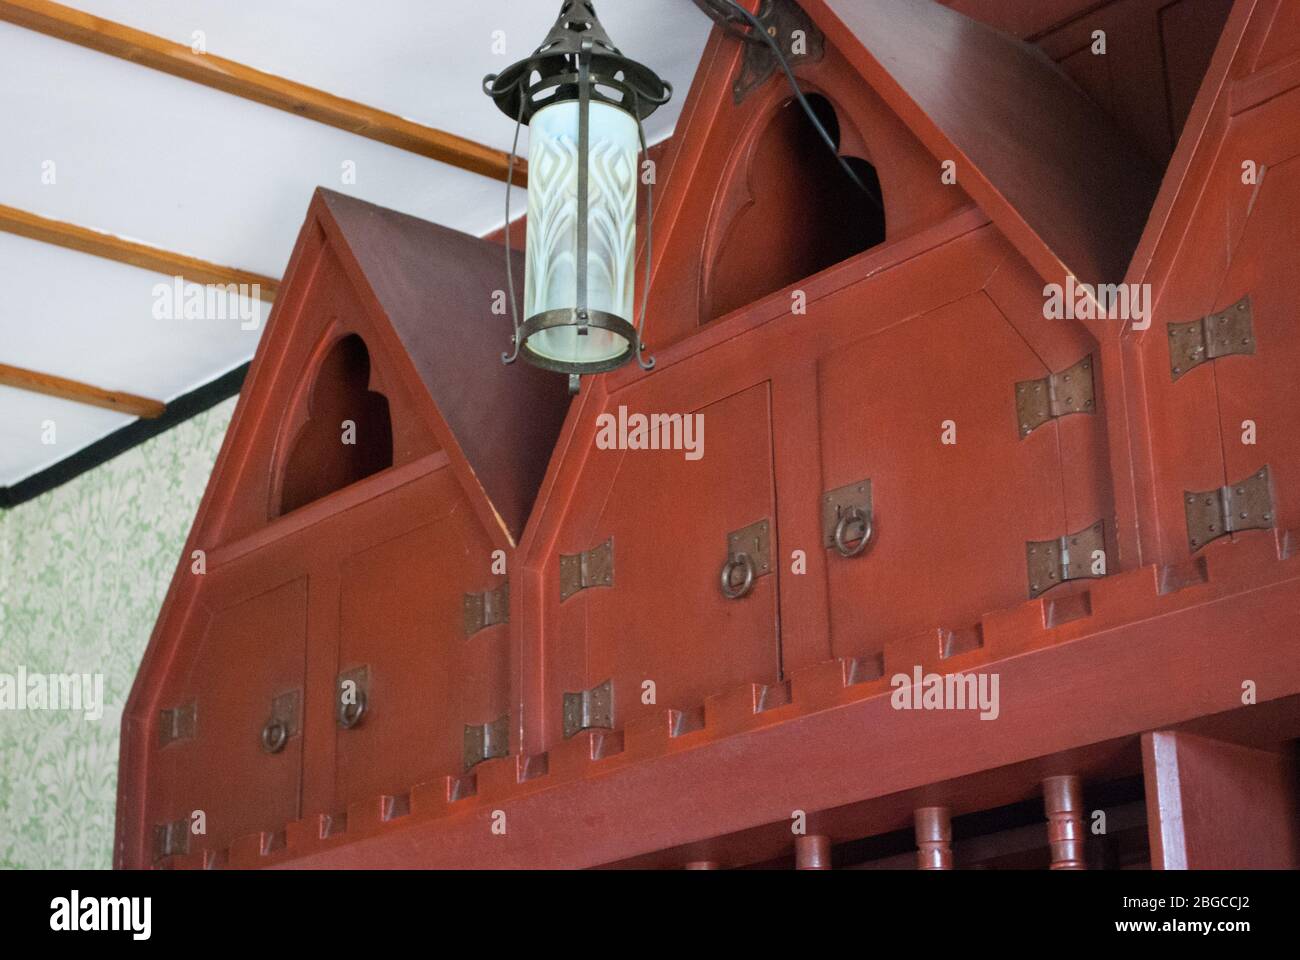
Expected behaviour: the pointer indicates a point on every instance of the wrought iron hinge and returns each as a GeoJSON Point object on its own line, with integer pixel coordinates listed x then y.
{"type": "Point", "coordinates": [592, 568]}
{"type": "Point", "coordinates": [283, 723]}
{"type": "Point", "coordinates": [799, 38]}
{"type": "Point", "coordinates": [847, 523]}
{"type": "Point", "coordinates": [1056, 395]}
{"type": "Point", "coordinates": [589, 709]}
{"type": "Point", "coordinates": [487, 609]}
{"type": "Point", "coordinates": [1245, 505]}
{"type": "Point", "coordinates": [171, 839]}
{"type": "Point", "coordinates": [1072, 557]}
{"type": "Point", "coordinates": [486, 741]}
{"type": "Point", "coordinates": [1230, 331]}
{"type": "Point", "coordinates": [178, 723]}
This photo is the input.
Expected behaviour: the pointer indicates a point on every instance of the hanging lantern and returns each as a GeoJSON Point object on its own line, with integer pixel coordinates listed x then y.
{"type": "Point", "coordinates": [584, 103]}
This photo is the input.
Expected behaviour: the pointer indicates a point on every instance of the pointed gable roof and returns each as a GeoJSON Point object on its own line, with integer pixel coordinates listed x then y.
{"type": "Point", "coordinates": [1043, 161]}
{"type": "Point", "coordinates": [436, 288]}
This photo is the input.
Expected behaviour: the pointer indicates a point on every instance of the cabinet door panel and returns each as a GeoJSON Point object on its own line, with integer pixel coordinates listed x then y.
{"type": "Point", "coordinates": [665, 619]}
{"type": "Point", "coordinates": [253, 650]}
{"type": "Point", "coordinates": [951, 519]}
{"type": "Point", "coordinates": [402, 618]}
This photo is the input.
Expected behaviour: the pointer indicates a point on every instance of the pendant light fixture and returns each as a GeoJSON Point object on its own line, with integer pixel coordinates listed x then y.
{"type": "Point", "coordinates": [584, 103]}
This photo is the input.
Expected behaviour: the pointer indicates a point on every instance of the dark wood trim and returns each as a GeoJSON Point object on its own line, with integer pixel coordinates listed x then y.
{"type": "Point", "coordinates": [132, 435]}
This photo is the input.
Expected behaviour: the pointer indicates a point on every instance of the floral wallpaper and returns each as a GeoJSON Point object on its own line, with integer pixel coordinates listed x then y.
{"type": "Point", "coordinates": [83, 571]}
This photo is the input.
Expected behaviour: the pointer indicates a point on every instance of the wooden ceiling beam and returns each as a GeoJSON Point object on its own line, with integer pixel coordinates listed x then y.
{"type": "Point", "coordinates": [50, 385]}
{"type": "Point", "coordinates": [105, 36]}
{"type": "Point", "coordinates": [59, 233]}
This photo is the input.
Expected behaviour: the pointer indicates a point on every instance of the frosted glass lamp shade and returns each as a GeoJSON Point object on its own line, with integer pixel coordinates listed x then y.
{"type": "Point", "coordinates": [551, 280]}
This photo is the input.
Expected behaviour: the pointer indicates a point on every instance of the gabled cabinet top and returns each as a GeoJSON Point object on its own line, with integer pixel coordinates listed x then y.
{"type": "Point", "coordinates": [384, 348]}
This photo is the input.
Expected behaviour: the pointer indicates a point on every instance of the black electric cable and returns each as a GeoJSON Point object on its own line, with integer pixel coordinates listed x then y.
{"type": "Point", "coordinates": [727, 13]}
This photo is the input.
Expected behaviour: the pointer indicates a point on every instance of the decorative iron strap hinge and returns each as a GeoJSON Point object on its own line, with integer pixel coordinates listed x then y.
{"type": "Point", "coordinates": [799, 38]}
{"type": "Point", "coordinates": [486, 741]}
{"type": "Point", "coordinates": [178, 723]}
{"type": "Point", "coordinates": [1077, 556]}
{"type": "Point", "coordinates": [171, 839]}
{"type": "Point", "coordinates": [593, 568]}
{"type": "Point", "coordinates": [1245, 505]}
{"type": "Point", "coordinates": [589, 709]}
{"type": "Point", "coordinates": [1230, 331]}
{"type": "Point", "coordinates": [487, 609]}
{"type": "Point", "coordinates": [1056, 395]}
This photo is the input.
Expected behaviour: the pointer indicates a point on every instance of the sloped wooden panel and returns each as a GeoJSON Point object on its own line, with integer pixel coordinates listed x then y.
{"type": "Point", "coordinates": [1155, 59]}
{"type": "Point", "coordinates": [1046, 163]}
{"type": "Point", "coordinates": [438, 291]}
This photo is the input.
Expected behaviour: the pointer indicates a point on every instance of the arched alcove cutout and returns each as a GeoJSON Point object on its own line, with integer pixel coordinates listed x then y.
{"type": "Point", "coordinates": [321, 462]}
{"type": "Point", "coordinates": [804, 212]}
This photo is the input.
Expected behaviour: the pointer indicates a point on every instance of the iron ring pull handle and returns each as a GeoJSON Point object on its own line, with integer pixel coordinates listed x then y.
{"type": "Point", "coordinates": [274, 736]}
{"type": "Point", "coordinates": [851, 516]}
{"type": "Point", "coordinates": [350, 714]}
{"type": "Point", "coordinates": [730, 589]}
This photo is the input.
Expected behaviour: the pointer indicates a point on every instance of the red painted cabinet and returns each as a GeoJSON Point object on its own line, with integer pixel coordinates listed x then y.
{"type": "Point", "coordinates": [880, 454]}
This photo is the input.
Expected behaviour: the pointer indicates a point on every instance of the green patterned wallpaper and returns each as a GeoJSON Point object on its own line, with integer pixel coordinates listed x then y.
{"type": "Point", "coordinates": [83, 570]}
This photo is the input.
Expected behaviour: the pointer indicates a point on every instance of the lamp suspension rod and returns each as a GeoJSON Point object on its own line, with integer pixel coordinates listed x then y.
{"type": "Point", "coordinates": [509, 358]}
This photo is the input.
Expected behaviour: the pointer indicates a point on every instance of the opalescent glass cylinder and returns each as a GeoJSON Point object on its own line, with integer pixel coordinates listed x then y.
{"type": "Point", "coordinates": [551, 267]}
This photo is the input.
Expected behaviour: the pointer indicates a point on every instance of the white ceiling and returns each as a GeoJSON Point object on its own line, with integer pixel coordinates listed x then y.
{"type": "Point", "coordinates": [146, 156]}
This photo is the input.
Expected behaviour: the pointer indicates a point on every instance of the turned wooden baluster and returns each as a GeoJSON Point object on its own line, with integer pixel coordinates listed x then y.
{"type": "Point", "coordinates": [812, 853]}
{"type": "Point", "coordinates": [1063, 800]}
{"type": "Point", "coordinates": [933, 838]}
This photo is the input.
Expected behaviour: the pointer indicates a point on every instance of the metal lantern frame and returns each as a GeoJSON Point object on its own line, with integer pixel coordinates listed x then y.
{"type": "Point", "coordinates": [578, 62]}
